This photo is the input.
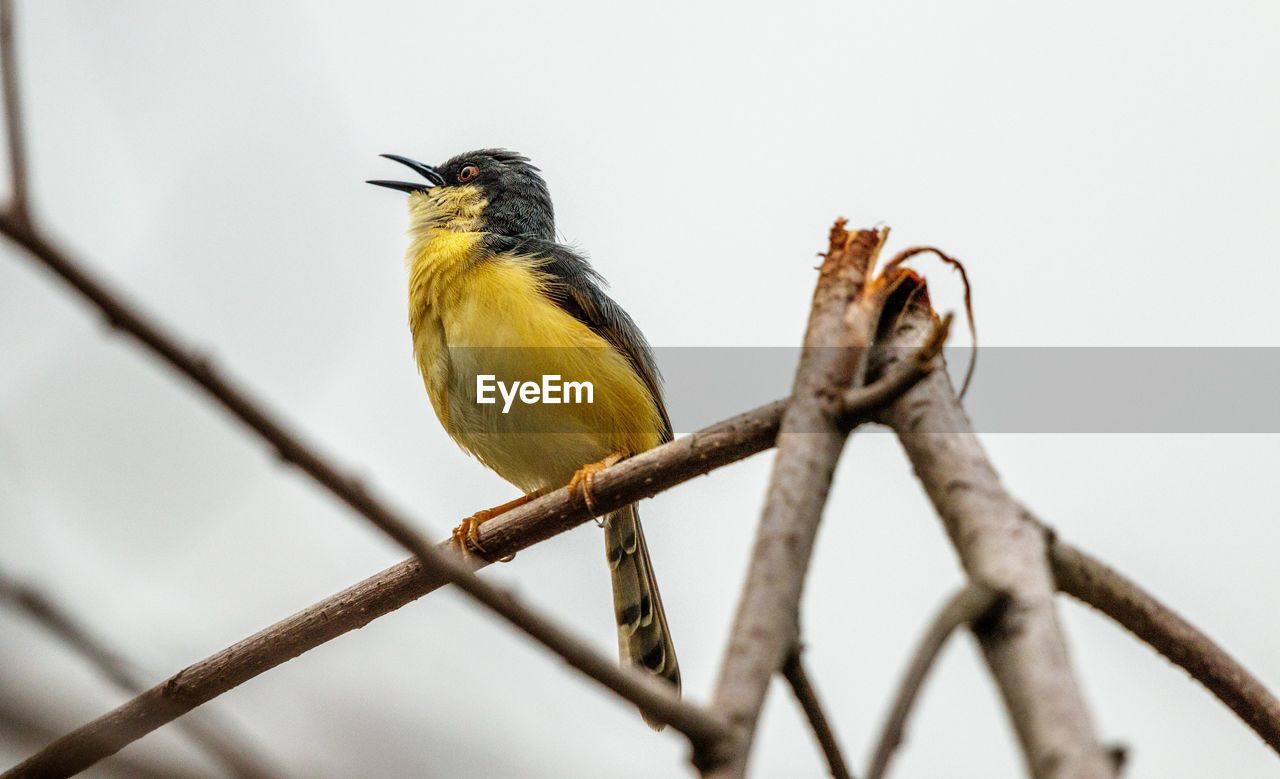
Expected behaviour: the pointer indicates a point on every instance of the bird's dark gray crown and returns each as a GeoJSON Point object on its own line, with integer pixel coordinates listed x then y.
{"type": "Point", "coordinates": [519, 201]}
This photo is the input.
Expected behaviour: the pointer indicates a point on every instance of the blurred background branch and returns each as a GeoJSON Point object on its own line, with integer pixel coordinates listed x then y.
{"type": "Point", "coordinates": [30, 727]}
{"type": "Point", "coordinates": [231, 750]}
{"type": "Point", "coordinates": [16, 143]}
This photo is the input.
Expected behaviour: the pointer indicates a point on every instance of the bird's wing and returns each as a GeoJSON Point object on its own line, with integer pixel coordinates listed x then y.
{"type": "Point", "coordinates": [575, 288]}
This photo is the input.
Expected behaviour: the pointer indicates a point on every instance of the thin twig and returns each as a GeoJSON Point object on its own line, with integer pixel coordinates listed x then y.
{"type": "Point", "coordinates": [232, 752]}
{"type": "Point", "coordinates": [631, 480]}
{"type": "Point", "coordinates": [1025, 648]}
{"type": "Point", "coordinates": [1083, 577]}
{"type": "Point", "coordinates": [810, 440]}
{"type": "Point", "coordinates": [18, 204]}
{"type": "Point", "coordinates": [796, 675]}
{"type": "Point", "coordinates": [963, 608]}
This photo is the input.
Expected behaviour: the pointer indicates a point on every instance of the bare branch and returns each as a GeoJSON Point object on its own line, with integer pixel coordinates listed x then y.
{"type": "Point", "coordinates": [1001, 550]}
{"type": "Point", "coordinates": [798, 678]}
{"type": "Point", "coordinates": [963, 608]}
{"type": "Point", "coordinates": [18, 206]}
{"type": "Point", "coordinates": [810, 440]}
{"type": "Point", "coordinates": [231, 751]}
{"type": "Point", "coordinates": [1093, 582]}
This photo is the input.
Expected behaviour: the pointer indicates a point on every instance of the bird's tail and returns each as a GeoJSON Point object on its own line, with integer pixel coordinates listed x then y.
{"type": "Point", "coordinates": [643, 637]}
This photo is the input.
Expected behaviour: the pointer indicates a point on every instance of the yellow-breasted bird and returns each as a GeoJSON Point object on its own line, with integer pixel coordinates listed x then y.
{"type": "Point", "coordinates": [491, 293]}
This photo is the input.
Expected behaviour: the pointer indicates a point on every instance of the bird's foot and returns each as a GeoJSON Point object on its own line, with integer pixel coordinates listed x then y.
{"type": "Point", "coordinates": [583, 480]}
{"type": "Point", "coordinates": [466, 536]}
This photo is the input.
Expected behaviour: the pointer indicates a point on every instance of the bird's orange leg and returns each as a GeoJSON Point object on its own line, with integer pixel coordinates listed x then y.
{"type": "Point", "coordinates": [466, 536]}
{"type": "Point", "coordinates": [586, 476]}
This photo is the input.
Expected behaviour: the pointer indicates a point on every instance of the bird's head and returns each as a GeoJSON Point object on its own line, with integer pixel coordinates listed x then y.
{"type": "Point", "coordinates": [490, 190]}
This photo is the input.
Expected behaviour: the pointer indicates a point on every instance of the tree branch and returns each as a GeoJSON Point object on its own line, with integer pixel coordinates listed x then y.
{"type": "Point", "coordinates": [794, 672]}
{"type": "Point", "coordinates": [963, 608]}
{"type": "Point", "coordinates": [810, 440]}
{"type": "Point", "coordinates": [1093, 582]}
{"type": "Point", "coordinates": [232, 752]}
{"type": "Point", "coordinates": [1001, 550]}
{"type": "Point", "coordinates": [18, 205]}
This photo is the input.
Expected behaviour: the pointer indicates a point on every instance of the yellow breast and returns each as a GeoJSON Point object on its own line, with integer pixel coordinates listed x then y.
{"type": "Point", "coordinates": [474, 316]}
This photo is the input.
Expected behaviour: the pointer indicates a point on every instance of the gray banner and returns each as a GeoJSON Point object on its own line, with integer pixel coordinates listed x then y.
{"type": "Point", "coordinates": [1015, 389]}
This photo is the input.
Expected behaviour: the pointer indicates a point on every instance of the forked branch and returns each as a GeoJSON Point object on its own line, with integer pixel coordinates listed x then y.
{"type": "Point", "coordinates": [1001, 550]}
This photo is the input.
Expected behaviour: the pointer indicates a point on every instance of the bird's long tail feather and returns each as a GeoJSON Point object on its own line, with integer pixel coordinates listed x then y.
{"type": "Point", "coordinates": [643, 637]}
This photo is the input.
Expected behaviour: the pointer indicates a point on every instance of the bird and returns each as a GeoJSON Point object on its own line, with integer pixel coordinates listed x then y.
{"type": "Point", "coordinates": [493, 296]}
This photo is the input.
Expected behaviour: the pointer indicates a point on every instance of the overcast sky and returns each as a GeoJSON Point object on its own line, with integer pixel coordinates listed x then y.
{"type": "Point", "coordinates": [1108, 171]}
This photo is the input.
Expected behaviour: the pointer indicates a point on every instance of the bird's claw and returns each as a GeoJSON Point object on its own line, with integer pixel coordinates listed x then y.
{"type": "Point", "coordinates": [585, 478]}
{"type": "Point", "coordinates": [466, 536]}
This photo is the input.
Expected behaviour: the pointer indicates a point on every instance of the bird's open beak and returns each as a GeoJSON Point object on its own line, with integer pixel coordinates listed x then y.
{"type": "Point", "coordinates": [433, 177]}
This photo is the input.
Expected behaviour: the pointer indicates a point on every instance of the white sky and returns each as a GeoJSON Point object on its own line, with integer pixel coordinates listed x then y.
{"type": "Point", "coordinates": [1108, 172]}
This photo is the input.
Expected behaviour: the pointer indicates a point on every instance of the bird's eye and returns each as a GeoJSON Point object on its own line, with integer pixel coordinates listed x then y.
{"type": "Point", "coordinates": [467, 173]}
